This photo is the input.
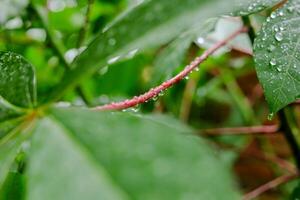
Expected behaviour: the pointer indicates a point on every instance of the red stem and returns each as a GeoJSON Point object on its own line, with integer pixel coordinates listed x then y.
{"type": "Point", "coordinates": [167, 84]}
{"type": "Point", "coordinates": [268, 186]}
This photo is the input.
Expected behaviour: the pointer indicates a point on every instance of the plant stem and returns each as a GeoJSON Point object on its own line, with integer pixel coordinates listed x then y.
{"type": "Point", "coordinates": [84, 28]}
{"type": "Point", "coordinates": [291, 132]}
{"type": "Point", "coordinates": [57, 47]}
{"type": "Point", "coordinates": [268, 186]}
{"type": "Point", "coordinates": [169, 83]}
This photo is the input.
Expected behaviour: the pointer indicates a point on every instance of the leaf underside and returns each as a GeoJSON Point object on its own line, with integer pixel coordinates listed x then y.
{"type": "Point", "coordinates": [123, 157]}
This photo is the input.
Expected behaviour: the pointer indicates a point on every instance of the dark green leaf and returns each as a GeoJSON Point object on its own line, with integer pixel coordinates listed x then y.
{"type": "Point", "coordinates": [107, 155]}
{"type": "Point", "coordinates": [13, 188]}
{"type": "Point", "coordinates": [277, 56]}
{"type": "Point", "coordinates": [9, 147]}
{"type": "Point", "coordinates": [17, 81]}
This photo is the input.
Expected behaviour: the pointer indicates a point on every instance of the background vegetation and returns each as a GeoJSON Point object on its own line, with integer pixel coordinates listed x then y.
{"type": "Point", "coordinates": [210, 136]}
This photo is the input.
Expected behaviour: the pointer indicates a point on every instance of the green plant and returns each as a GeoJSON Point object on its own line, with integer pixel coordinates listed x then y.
{"type": "Point", "coordinates": [62, 135]}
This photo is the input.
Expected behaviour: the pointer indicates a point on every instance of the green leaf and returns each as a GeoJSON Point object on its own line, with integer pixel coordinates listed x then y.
{"type": "Point", "coordinates": [13, 188]}
{"type": "Point", "coordinates": [17, 81]}
{"type": "Point", "coordinates": [9, 111]}
{"type": "Point", "coordinates": [147, 25]}
{"type": "Point", "coordinates": [277, 56]}
{"type": "Point", "coordinates": [8, 125]}
{"type": "Point", "coordinates": [73, 174]}
{"type": "Point", "coordinates": [95, 155]}
{"type": "Point", "coordinates": [9, 147]}
{"type": "Point", "coordinates": [247, 8]}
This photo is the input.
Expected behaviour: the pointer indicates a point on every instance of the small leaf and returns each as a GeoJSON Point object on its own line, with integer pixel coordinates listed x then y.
{"type": "Point", "coordinates": [95, 155]}
{"type": "Point", "coordinates": [277, 55]}
{"type": "Point", "coordinates": [17, 81]}
{"type": "Point", "coordinates": [9, 149]}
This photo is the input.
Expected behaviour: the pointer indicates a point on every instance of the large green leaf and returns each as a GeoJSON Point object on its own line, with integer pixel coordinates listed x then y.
{"type": "Point", "coordinates": [122, 156]}
{"type": "Point", "coordinates": [73, 173]}
{"type": "Point", "coordinates": [147, 25]}
{"type": "Point", "coordinates": [277, 56]}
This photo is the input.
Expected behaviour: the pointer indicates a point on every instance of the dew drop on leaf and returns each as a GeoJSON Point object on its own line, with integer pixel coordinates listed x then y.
{"type": "Point", "coordinates": [279, 36]}
{"type": "Point", "coordinates": [270, 116]}
{"type": "Point", "coordinates": [273, 62]}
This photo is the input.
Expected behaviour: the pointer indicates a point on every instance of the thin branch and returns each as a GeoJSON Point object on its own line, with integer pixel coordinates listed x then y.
{"type": "Point", "coordinates": [268, 186]}
{"type": "Point", "coordinates": [268, 129]}
{"type": "Point", "coordinates": [57, 47]}
{"type": "Point", "coordinates": [83, 30]}
{"type": "Point", "coordinates": [154, 92]}
{"type": "Point", "coordinates": [290, 129]}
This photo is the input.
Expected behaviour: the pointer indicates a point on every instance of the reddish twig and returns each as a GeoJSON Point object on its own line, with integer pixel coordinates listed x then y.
{"type": "Point", "coordinates": [268, 186]}
{"type": "Point", "coordinates": [159, 89]}
{"type": "Point", "coordinates": [268, 129]}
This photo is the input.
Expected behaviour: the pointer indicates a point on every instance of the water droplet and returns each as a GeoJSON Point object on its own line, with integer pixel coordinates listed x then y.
{"type": "Point", "coordinates": [113, 60]}
{"type": "Point", "coordinates": [162, 93]}
{"type": "Point", "coordinates": [187, 78]}
{"type": "Point", "coordinates": [112, 41]}
{"type": "Point", "coordinates": [291, 9]}
{"type": "Point", "coordinates": [135, 108]}
{"type": "Point", "coordinates": [270, 116]}
{"type": "Point", "coordinates": [271, 48]}
{"type": "Point", "coordinates": [273, 62]}
{"type": "Point", "coordinates": [279, 69]}
{"type": "Point", "coordinates": [132, 53]}
{"type": "Point", "coordinates": [281, 13]}
{"type": "Point", "coordinates": [279, 36]}
{"type": "Point", "coordinates": [273, 15]}
{"type": "Point", "coordinates": [103, 70]}
{"type": "Point", "coordinates": [200, 40]}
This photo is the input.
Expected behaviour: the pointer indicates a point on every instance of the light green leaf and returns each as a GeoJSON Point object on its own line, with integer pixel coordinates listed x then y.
{"type": "Point", "coordinates": [277, 56]}
{"type": "Point", "coordinates": [93, 155]}
{"type": "Point", "coordinates": [73, 173]}
{"type": "Point", "coordinates": [148, 25]}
